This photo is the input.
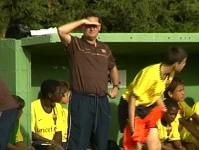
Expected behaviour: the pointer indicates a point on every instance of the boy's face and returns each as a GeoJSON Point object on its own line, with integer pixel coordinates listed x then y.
{"type": "Point", "coordinates": [179, 66]}
{"type": "Point", "coordinates": [57, 96]}
{"type": "Point", "coordinates": [171, 114]}
{"type": "Point", "coordinates": [178, 94]}
{"type": "Point", "coordinates": [65, 97]}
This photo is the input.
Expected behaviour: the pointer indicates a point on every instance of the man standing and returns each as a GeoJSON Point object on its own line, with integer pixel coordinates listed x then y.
{"type": "Point", "coordinates": [90, 60]}
{"type": "Point", "coordinates": [8, 115]}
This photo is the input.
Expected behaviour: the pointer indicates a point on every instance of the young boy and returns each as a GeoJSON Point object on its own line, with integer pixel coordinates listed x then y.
{"type": "Point", "coordinates": [168, 127]}
{"type": "Point", "coordinates": [16, 138]}
{"type": "Point", "coordinates": [188, 130]}
{"type": "Point", "coordinates": [143, 94]}
{"type": "Point", "coordinates": [65, 99]}
{"type": "Point", "coordinates": [46, 118]}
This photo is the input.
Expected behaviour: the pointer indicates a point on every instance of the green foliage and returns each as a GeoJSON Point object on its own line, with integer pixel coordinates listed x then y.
{"type": "Point", "coordinates": [117, 15]}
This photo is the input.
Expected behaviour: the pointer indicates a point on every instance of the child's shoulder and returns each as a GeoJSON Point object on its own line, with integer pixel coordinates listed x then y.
{"type": "Point", "coordinates": [58, 105]}
{"type": "Point", "coordinates": [35, 102]}
{"type": "Point", "coordinates": [152, 67]}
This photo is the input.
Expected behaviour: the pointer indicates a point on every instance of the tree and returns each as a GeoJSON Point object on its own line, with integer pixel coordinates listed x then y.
{"type": "Point", "coordinates": [117, 15]}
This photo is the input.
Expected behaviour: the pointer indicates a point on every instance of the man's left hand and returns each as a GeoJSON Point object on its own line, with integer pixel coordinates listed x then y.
{"type": "Point", "coordinates": [113, 93]}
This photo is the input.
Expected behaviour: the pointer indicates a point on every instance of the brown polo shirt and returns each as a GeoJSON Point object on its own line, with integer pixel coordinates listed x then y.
{"type": "Point", "coordinates": [6, 100]}
{"type": "Point", "coordinates": [89, 65]}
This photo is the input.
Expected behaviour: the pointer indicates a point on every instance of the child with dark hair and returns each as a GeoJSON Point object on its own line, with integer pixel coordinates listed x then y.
{"type": "Point", "coordinates": [46, 118]}
{"type": "Point", "coordinates": [168, 127]}
{"type": "Point", "coordinates": [16, 138]}
{"type": "Point", "coordinates": [189, 120]}
{"type": "Point", "coordinates": [141, 105]}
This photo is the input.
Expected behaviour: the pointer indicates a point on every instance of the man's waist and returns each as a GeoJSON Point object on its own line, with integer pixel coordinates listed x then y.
{"type": "Point", "coordinates": [89, 94]}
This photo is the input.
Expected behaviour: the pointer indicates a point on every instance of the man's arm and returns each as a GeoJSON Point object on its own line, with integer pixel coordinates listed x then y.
{"type": "Point", "coordinates": [64, 31]}
{"type": "Point", "coordinates": [115, 79]}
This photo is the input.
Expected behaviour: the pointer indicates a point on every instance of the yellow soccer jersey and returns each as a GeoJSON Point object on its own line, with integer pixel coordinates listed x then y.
{"type": "Point", "coordinates": [65, 124]}
{"type": "Point", "coordinates": [185, 111]}
{"type": "Point", "coordinates": [147, 85]}
{"type": "Point", "coordinates": [170, 134]}
{"type": "Point", "coordinates": [43, 123]}
{"type": "Point", "coordinates": [196, 108]}
{"type": "Point", "coordinates": [19, 137]}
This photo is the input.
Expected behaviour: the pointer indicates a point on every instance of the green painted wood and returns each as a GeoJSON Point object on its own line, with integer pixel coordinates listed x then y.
{"type": "Point", "coordinates": [120, 37]}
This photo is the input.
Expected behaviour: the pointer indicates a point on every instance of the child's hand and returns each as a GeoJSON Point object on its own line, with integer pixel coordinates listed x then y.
{"type": "Point", "coordinates": [29, 148]}
{"type": "Point", "coordinates": [160, 102]}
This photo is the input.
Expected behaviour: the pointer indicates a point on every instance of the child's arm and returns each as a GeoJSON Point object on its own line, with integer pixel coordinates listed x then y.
{"type": "Point", "coordinates": [178, 145]}
{"type": "Point", "coordinates": [165, 147]}
{"type": "Point", "coordinates": [195, 118]}
{"type": "Point", "coordinates": [23, 147]}
{"type": "Point", "coordinates": [160, 102]}
{"type": "Point", "coordinates": [58, 137]}
{"type": "Point", "coordinates": [36, 137]}
{"type": "Point", "coordinates": [12, 147]}
{"type": "Point", "coordinates": [15, 147]}
{"type": "Point", "coordinates": [131, 111]}
{"type": "Point", "coordinates": [189, 127]}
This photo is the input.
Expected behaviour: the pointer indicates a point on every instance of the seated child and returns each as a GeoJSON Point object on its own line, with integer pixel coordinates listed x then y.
{"type": "Point", "coordinates": [168, 127]}
{"type": "Point", "coordinates": [46, 118]}
{"type": "Point", "coordinates": [176, 91]}
{"type": "Point", "coordinates": [16, 138]}
{"type": "Point", "coordinates": [65, 99]}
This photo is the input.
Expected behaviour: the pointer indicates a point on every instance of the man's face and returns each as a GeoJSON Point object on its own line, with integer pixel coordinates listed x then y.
{"type": "Point", "coordinates": [91, 31]}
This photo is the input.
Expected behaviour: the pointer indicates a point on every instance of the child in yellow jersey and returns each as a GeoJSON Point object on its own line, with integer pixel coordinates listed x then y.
{"type": "Point", "coordinates": [46, 117]}
{"type": "Point", "coordinates": [64, 101]}
{"type": "Point", "coordinates": [16, 138]}
{"type": "Point", "coordinates": [176, 91]}
{"type": "Point", "coordinates": [142, 97]}
{"type": "Point", "coordinates": [168, 127]}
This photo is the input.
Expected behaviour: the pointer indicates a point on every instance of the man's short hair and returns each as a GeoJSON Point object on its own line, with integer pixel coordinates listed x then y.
{"type": "Point", "coordinates": [91, 13]}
